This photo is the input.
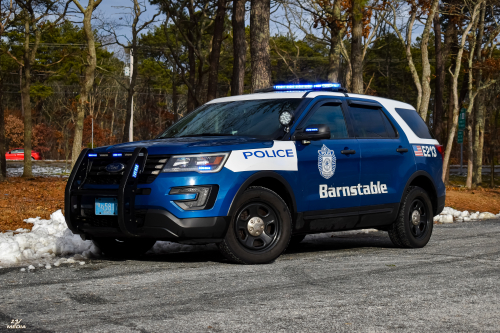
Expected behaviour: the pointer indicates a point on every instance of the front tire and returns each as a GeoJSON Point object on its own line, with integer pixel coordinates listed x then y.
{"type": "Point", "coordinates": [413, 227]}
{"type": "Point", "coordinates": [125, 247]}
{"type": "Point", "coordinates": [260, 230]}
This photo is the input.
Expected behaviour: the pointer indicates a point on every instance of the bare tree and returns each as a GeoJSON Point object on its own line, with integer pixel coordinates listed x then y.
{"type": "Point", "coordinates": [136, 10]}
{"type": "Point", "coordinates": [423, 83]}
{"type": "Point", "coordinates": [34, 15]}
{"type": "Point", "coordinates": [6, 15]}
{"type": "Point", "coordinates": [473, 9]}
{"type": "Point", "coordinates": [88, 80]}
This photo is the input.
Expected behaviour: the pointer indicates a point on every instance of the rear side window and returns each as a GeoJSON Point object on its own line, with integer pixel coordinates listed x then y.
{"type": "Point", "coordinates": [415, 122]}
{"type": "Point", "coordinates": [371, 123]}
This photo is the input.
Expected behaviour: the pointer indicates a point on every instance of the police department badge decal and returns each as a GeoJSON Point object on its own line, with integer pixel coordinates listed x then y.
{"type": "Point", "coordinates": [327, 162]}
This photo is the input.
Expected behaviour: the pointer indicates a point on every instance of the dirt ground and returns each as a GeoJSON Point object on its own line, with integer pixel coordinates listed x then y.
{"type": "Point", "coordinates": [24, 198]}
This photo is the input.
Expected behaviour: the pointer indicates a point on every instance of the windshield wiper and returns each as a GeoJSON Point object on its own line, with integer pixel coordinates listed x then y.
{"type": "Point", "coordinates": [205, 134]}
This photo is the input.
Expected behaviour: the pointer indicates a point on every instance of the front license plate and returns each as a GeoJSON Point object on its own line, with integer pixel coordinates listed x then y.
{"type": "Point", "coordinates": [106, 206]}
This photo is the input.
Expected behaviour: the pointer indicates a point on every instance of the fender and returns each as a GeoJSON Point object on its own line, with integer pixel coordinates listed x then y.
{"type": "Point", "coordinates": [257, 176]}
{"type": "Point", "coordinates": [433, 196]}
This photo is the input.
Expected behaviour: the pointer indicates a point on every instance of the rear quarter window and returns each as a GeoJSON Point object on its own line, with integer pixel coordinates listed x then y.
{"type": "Point", "coordinates": [416, 123]}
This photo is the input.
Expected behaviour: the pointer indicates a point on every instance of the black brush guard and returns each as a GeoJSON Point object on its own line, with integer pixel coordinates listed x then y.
{"type": "Point", "coordinates": [125, 194]}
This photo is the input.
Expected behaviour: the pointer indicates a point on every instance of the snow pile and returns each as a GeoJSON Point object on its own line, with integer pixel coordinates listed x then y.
{"type": "Point", "coordinates": [38, 171]}
{"type": "Point", "coordinates": [450, 215]}
{"type": "Point", "coordinates": [47, 239]}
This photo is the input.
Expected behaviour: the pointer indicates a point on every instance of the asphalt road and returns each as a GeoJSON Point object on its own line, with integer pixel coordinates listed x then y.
{"type": "Point", "coordinates": [342, 283]}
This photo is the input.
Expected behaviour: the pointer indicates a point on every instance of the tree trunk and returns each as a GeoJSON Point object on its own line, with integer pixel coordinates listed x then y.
{"type": "Point", "coordinates": [456, 105]}
{"type": "Point", "coordinates": [479, 112]}
{"type": "Point", "coordinates": [3, 162]}
{"type": "Point", "coordinates": [239, 48]}
{"type": "Point", "coordinates": [175, 94]}
{"type": "Point", "coordinates": [25, 96]}
{"type": "Point", "coordinates": [86, 84]}
{"type": "Point", "coordinates": [334, 53]}
{"type": "Point", "coordinates": [357, 47]}
{"type": "Point", "coordinates": [260, 13]}
{"type": "Point", "coordinates": [191, 101]}
{"type": "Point", "coordinates": [493, 145]}
{"type": "Point", "coordinates": [213, 70]}
{"type": "Point", "coordinates": [426, 67]}
{"type": "Point", "coordinates": [439, 81]}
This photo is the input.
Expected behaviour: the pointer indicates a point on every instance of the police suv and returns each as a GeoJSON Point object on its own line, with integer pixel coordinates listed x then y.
{"type": "Point", "coordinates": [256, 172]}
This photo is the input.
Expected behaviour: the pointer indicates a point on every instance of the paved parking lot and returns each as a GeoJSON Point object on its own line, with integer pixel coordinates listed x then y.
{"type": "Point", "coordinates": [341, 283]}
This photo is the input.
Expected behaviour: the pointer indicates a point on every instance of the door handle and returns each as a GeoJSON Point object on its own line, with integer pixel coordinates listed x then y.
{"type": "Point", "coordinates": [348, 152]}
{"type": "Point", "coordinates": [402, 150]}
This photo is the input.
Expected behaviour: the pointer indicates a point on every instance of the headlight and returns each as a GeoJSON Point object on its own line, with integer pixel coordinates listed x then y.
{"type": "Point", "coordinates": [202, 163]}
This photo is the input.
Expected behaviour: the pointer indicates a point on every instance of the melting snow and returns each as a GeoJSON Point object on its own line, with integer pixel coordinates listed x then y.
{"type": "Point", "coordinates": [38, 170]}
{"type": "Point", "coordinates": [50, 242]}
{"type": "Point", "coordinates": [450, 215]}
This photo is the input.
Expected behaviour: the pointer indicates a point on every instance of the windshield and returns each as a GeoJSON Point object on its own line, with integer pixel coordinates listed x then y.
{"type": "Point", "coordinates": [256, 118]}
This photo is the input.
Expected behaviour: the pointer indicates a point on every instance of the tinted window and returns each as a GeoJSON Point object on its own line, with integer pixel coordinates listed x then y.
{"type": "Point", "coordinates": [371, 123]}
{"type": "Point", "coordinates": [258, 118]}
{"type": "Point", "coordinates": [331, 115]}
{"type": "Point", "coordinates": [17, 151]}
{"type": "Point", "coordinates": [415, 122]}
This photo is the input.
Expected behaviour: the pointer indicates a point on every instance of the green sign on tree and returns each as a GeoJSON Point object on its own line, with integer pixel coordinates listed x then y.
{"type": "Point", "coordinates": [461, 119]}
{"type": "Point", "coordinates": [460, 136]}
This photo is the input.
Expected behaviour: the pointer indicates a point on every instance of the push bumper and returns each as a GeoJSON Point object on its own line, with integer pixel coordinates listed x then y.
{"type": "Point", "coordinates": [131, 220]}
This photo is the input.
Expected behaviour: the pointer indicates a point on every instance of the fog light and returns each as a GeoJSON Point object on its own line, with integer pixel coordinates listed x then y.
{"type": "Point", "coordinates": [199, 201]}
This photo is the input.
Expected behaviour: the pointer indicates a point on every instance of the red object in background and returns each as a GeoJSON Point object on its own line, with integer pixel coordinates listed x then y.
{"type": "Point", "coordinates": [18, 155]}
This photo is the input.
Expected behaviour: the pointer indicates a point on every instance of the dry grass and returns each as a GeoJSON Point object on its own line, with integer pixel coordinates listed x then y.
{"type": "Point", "coordinates": [480, 199]}
{"type": "Point", "coordinates": [24, 198]}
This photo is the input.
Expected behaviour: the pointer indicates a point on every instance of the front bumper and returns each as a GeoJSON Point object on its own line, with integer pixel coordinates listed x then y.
{"type": "Point", "coordinates": [162, 225]}
{"type": "Point", "coordinates": [440, 204]}
{"type": "Point", "coordinates": [132, 219]}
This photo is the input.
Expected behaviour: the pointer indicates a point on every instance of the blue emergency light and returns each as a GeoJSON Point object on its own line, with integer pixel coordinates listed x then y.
{"type": "Point", "coordinates": [117, 155]}
{"type": "Point", "coordinates": [92, 155]}
{"type": "Point", "coordinates": [306, 86]}
{"type": "Point", "coordinates": [136, 171]}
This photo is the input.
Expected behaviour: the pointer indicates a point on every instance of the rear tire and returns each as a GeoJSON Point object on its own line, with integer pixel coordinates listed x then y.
{"type": "Point", "coordinates": [125, 247]}
{"type": "Point", "coordinates": [413, 227]}
{"type": "Point", "coordinates": [260, 230]}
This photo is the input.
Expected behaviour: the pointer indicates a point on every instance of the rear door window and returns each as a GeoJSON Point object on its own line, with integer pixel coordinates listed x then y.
{"type": "Point", "coordinates": [416, 123]}
{"type": "Point", "coordinates": [371, 123]}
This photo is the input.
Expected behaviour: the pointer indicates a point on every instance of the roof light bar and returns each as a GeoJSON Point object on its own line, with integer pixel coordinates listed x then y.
{"type": "Point", "coordinates": [306, 86]}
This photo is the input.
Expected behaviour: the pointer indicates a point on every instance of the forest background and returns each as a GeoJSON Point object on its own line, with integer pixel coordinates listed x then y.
{"type": "Point", "coordinates": [65, 65]}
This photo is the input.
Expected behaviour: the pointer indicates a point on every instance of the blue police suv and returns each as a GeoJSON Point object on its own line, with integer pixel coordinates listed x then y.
{"type": "Point", "coordinates": [254, 173]}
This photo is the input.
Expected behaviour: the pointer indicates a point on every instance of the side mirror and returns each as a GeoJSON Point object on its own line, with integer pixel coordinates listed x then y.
{"type": "Point", "coordinates": [312, 132]}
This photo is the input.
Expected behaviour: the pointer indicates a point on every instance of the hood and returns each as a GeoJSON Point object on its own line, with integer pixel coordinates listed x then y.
{"type": "Point", "coordinates": [190, 145]}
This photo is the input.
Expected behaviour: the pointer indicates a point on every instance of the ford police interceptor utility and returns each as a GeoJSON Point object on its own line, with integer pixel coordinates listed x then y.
{"type": "Point", "coordinates": [256, 172]}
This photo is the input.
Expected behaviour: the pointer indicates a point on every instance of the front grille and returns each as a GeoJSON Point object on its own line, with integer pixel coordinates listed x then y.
{"type": "Point", "coordinates": [153, 167]}
{"type": "Point", "coordinates": [109, 221]}
{"type": "Point", "coordinates": [98, 175]}
{"type": "Point", "coordinates": [98, 221]}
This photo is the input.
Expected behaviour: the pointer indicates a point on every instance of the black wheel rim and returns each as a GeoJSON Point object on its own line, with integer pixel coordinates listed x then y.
{"type": "Point", "coordinates": [419, 218]}
{"type": "Point", "coordinates": [269, 220]}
